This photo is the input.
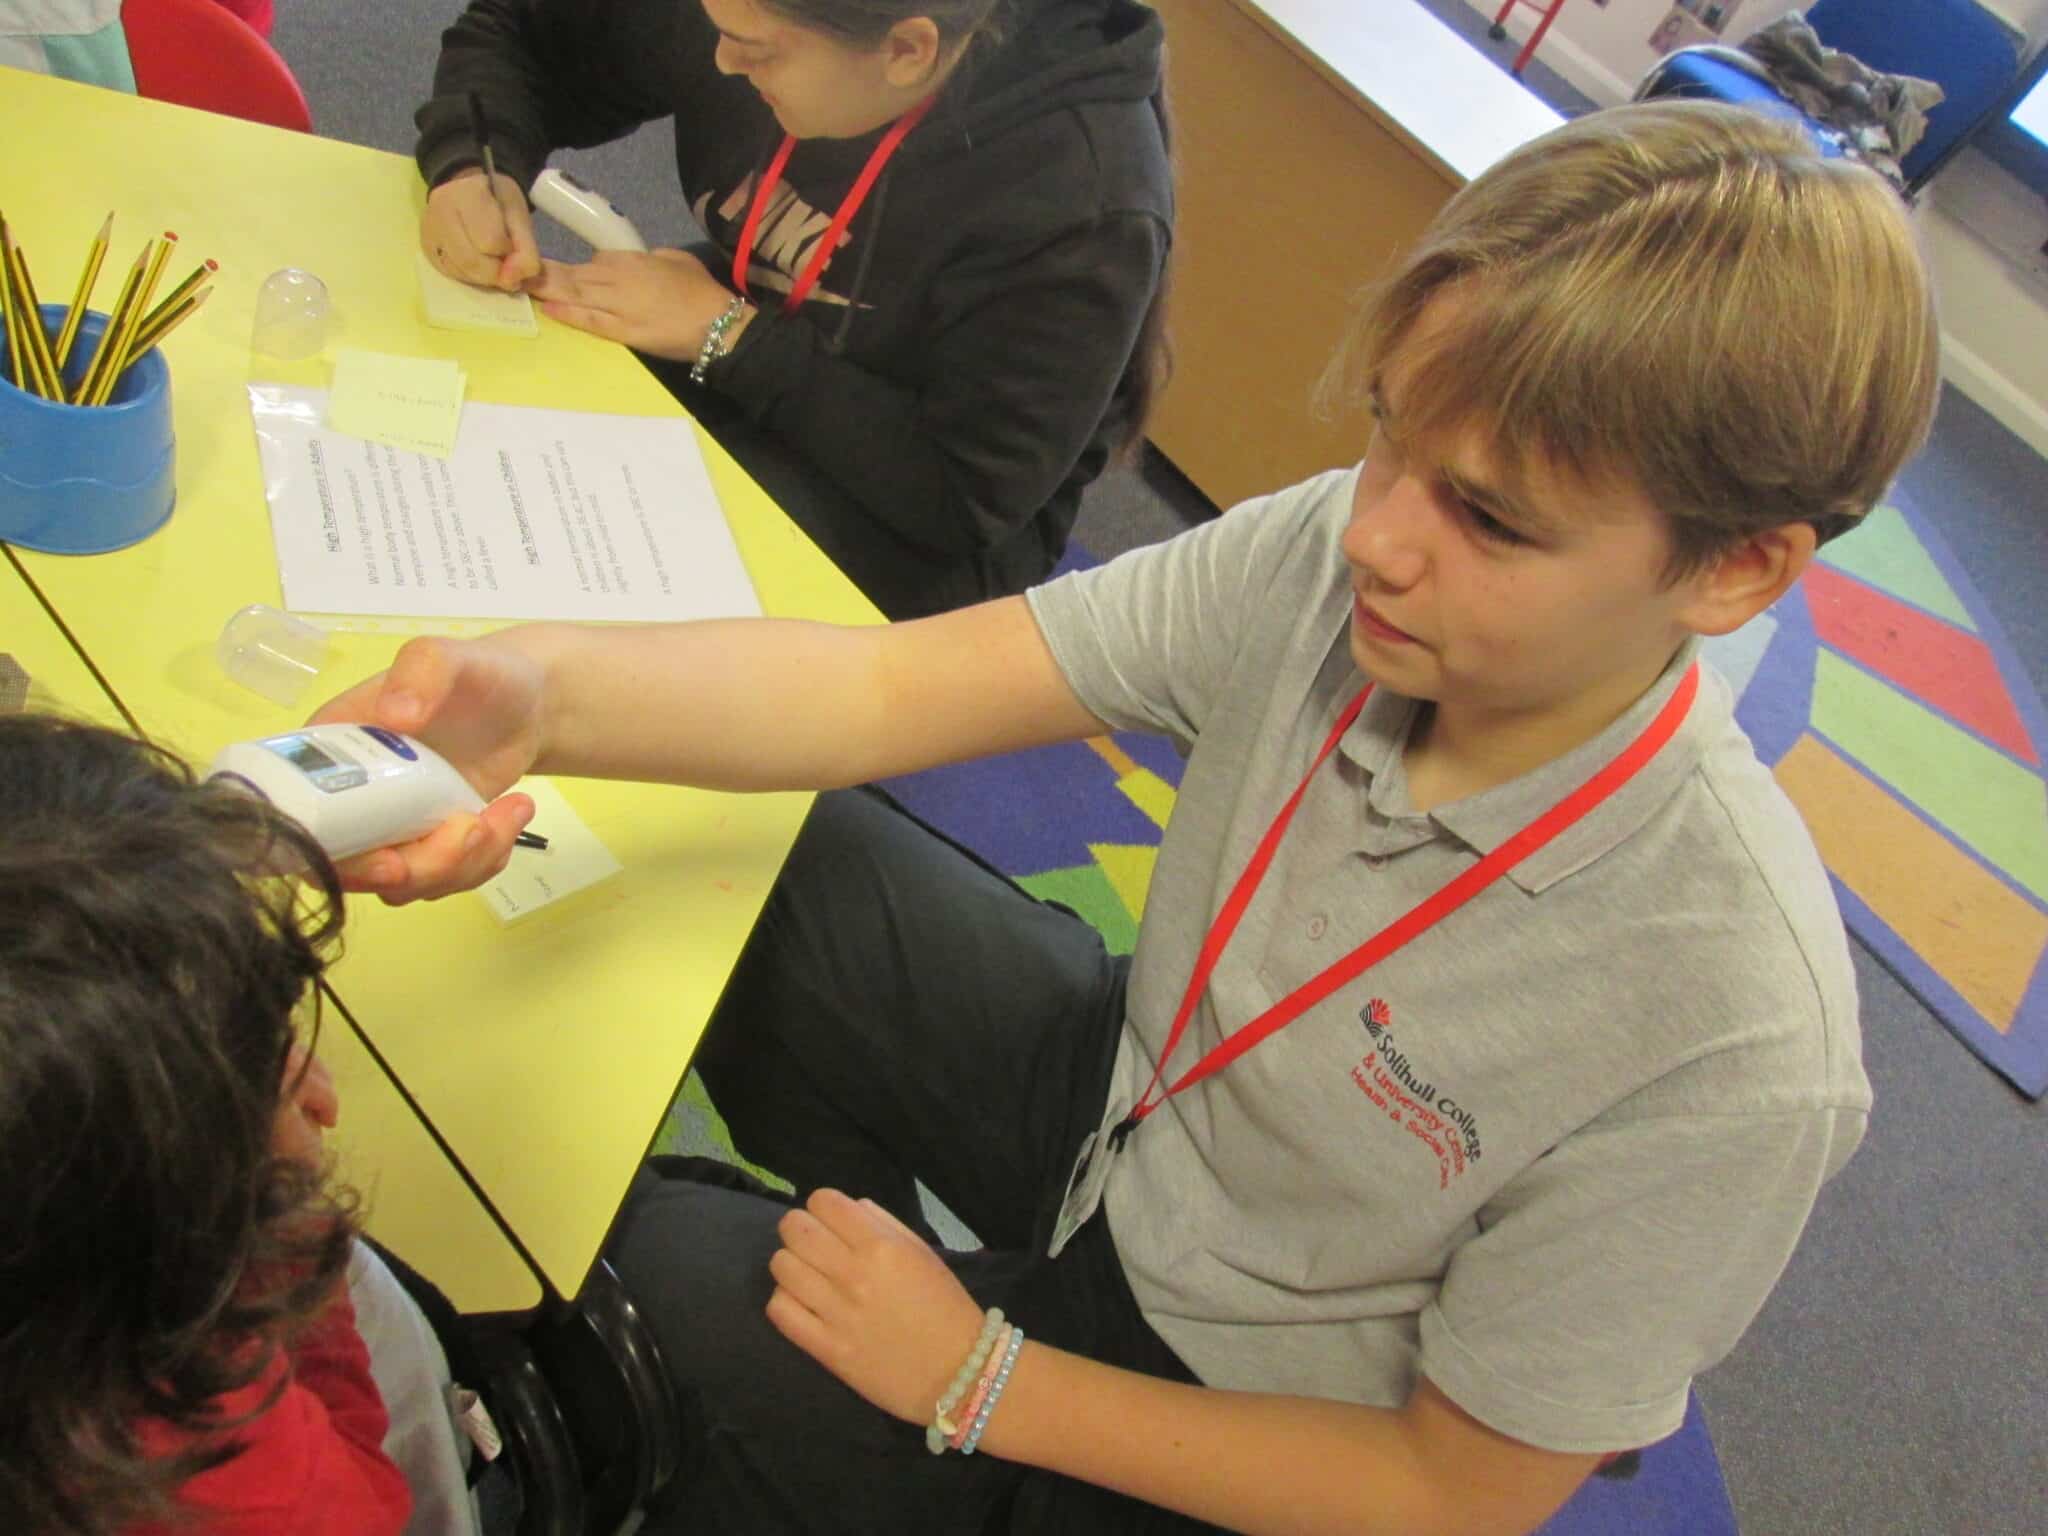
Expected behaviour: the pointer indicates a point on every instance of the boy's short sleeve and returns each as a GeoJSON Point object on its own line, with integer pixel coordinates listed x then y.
{"type": "Point", "coordinates": [1616, 1268]}
{"type": "Point", "coordinates": [1149, 641]}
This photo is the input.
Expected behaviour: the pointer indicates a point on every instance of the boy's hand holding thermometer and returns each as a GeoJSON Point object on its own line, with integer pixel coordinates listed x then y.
{"type": "Point", "coordinates": [479, 703]}
{"type": "Point", "coordinates": [356, 788]}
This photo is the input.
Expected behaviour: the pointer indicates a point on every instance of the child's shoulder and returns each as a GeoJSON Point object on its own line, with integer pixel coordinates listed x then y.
{"type": "Point", "coordinates": [1766, 945]}
{"type": "Point", "coordinates": [1759, 830]}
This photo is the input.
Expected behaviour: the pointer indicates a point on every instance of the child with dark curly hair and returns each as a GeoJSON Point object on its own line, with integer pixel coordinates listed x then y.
{"type": "Point", "coordinates": [176, 1333]}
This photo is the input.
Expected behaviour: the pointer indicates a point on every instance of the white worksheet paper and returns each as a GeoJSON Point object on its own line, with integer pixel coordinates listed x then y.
{"type": "Point", "coordinates": [537, 514]}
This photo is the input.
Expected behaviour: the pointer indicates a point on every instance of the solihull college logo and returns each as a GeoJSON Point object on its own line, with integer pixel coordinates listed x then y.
{"type": "Point", "coordinates": [1394, 1085]}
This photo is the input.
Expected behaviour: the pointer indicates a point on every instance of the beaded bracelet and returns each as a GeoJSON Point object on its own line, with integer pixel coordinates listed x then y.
{"type": "Point", "coordinates": [988, 1403]}
{"type": "Point", "coordinates": [963, 1420]}
{"type": "Point", "coordinates": [942, 1427]}
{"type": "Point", "coordinates": [714, 339]}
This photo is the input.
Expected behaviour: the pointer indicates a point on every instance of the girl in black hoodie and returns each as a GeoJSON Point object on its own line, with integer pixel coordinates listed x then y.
{"type": "Point", "coordinates": [928, 406]}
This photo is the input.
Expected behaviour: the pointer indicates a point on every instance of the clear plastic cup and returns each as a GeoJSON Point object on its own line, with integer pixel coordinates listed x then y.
{"type": "Point", "coordinates": [292, 315]}
{"type": "Point", "coordinates": [272, 653]}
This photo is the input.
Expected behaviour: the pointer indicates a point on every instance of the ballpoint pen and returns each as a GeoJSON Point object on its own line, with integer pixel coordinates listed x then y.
{"type": "Point", "coordinates": [481, 129]}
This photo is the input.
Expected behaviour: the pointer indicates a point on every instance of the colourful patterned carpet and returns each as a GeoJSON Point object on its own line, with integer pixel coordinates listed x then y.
{"type": "Point", "coordinates": [1897, 717]}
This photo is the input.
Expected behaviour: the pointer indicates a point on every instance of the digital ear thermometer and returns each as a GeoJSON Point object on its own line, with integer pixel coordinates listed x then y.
{"type": "Point", "coordinates": [584, 210]}
{"type": "Point", "coordinates": [354, 787]}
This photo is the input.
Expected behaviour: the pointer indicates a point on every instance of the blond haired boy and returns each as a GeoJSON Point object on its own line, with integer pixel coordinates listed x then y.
{"type": "Point", "coordinates": [1518, 1021]}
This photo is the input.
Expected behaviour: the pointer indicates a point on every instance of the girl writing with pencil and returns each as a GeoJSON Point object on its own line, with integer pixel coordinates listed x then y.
{"type": "Point", "coordinates": [930, 307]}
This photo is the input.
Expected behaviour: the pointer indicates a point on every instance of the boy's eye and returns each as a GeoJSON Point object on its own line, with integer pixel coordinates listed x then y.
{"type": "Point", "coordinates": [1486, 525]}
{"type": "Point", "coordinates": [1382, 438]}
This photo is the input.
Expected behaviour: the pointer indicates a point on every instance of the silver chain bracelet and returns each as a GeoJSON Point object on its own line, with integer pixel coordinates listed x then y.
{"type": "Point", "coordinates": [714, 339]}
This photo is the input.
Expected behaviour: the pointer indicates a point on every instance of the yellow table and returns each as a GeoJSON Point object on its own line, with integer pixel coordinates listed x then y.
{"type": "Point", "coordinates": [59, 682]}
{"type": "Point", "coordinates": [416, 1202]}
{"type": "Point", "coordinates": [545, 1053]}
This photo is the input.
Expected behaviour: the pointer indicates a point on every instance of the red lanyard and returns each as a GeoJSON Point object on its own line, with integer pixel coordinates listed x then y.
{"type": "Point", "coordinates": [1426, 914]}
{"type": "Point", "coordinates": [822, 256]}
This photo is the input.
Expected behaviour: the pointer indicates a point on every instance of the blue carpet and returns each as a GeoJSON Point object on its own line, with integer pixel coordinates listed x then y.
{"type": "Point", "coordinates": [1678, 1491]}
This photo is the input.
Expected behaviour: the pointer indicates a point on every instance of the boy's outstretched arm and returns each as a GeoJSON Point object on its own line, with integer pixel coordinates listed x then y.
{"type": "Point", "coordinates": [749, 704]}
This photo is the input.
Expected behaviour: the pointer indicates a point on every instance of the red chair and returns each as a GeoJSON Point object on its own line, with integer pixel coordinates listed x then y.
{"type": "Point", "coordinates": [195, 53]}
{"type": "Point", "coordinates": [1546, 13]}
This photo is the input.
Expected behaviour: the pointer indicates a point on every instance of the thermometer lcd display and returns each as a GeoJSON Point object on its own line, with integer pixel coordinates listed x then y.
{"type": "Point", "coordinates": [324, 771]}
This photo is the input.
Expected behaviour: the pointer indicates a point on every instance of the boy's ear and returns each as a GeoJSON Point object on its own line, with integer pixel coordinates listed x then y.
{"type": "Point", "coordinates": [910, 52]}
{"type": "Point", "coordinates": [1747, 578]}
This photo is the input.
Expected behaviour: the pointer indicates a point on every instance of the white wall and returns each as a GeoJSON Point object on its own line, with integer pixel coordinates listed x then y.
{"type": "Point", "coordinates": [1985, 232]}
{"type": "Point", "coordinates": [1604, 50]}
{"type": "Point", "coordinates": [1982, 228]}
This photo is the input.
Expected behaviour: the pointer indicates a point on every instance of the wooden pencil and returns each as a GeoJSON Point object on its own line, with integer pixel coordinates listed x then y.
{"type": "Point", "coordinates": [28, 330]}
{"type": "Point", "coordinates": [15, 356]}
{"type": "Point", "coordinates": [82, 299]}
{"type": "Point", "coordinates": [179, 294]}
{"type": "Point", "coordinates": [104, 354]}
{"type": "Point", "coordinates": [149, 334]}
{"type": "Point", "coordinates": [131, 320]}
{"type": "Point", "coordinates": [32, 322]}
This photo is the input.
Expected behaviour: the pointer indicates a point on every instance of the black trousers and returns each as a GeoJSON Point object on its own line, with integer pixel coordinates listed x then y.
{"type": "Point", "coordinates": [902, 1012]}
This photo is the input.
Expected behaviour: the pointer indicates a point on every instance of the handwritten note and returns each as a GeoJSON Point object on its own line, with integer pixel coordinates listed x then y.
{"type": "Point", "coordinates": [413, 403]}
{"type": "Point", "coordinates": [454, 306]}
{"type": "Point", "coordinates": [573, 860]}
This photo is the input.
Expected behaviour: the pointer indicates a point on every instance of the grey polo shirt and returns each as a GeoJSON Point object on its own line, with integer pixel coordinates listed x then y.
{"type": "Point", "coordinates": [1555, 1152]}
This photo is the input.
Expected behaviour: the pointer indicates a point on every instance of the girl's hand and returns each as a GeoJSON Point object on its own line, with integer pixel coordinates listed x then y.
{"type": "Point", "coordinates": [478, 239]}
{"type": "Point", "coordinates": [872, 1302]}
{"type": "Point", "coordinates": [657, 302]}
{"type": "Point", "coordinates": [478, 705]}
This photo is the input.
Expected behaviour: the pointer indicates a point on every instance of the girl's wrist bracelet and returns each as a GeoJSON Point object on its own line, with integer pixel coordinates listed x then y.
{"type": "Point", "coordinates": [944, 1425]}
{"type": "Point", "coordinates": [714, 338]}
{"type": "Point", "coordinates": [995, 1392]}
{"type": "Point", "coordinates": [963, 1419]}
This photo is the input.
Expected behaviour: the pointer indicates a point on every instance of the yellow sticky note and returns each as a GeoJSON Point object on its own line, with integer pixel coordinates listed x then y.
{"type": "Point", "coordinates": [413, 403]}
{"type": "Point", "coordinates": [454, 306]}
{"type": "Point", "coordinates": [573, 860]}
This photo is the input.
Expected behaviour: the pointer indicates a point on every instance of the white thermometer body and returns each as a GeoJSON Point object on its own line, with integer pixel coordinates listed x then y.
{"type": "Point", "coordinates": [354, 787]}
{"type": "Point", "coordinates": [584, 210]}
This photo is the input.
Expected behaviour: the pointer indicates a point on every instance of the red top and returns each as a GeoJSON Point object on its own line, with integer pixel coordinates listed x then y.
{"type": "Point", "coordinates": [313, 1465]}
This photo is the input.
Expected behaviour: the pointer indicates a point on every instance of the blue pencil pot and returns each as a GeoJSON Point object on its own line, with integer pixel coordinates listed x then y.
{"type": "Point", "coordinates": [84, 479]}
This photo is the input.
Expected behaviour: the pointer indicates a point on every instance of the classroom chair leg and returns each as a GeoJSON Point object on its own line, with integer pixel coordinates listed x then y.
{"type": "Point", "coordinates": [602, 1360]}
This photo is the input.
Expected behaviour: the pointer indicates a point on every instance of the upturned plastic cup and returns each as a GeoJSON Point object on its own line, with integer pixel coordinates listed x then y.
{"type": "Point", "coordinates": [84, 479]}
{"type": "Point", "coordinates": [271, 652]}
{"type": "Point", "coordinates": [292, 315]}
